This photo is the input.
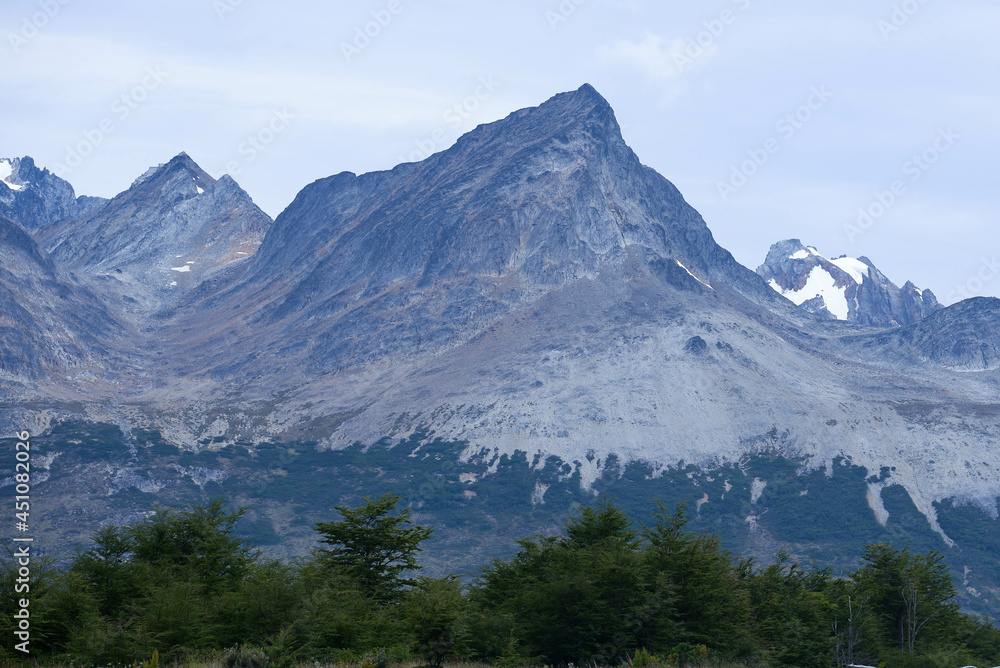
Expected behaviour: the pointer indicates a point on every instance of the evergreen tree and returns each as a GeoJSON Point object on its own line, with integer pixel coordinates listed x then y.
{"type": "Point", "coordinates": [910, 593]}
{"type": "Point", "coordinates": [197, 543]}
{"type": "Point", "coordinates": [374, 546]}
{"type": "Point", "coordinates": [580, 598]}
{"type": "Point", "coordinates": [711, 606]}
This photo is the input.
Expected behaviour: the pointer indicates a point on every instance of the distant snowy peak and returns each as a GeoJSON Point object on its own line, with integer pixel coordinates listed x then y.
{"type": "Point", "coordinates": [844, 288]}
{"type": "Point", "coordinates": [36, 197]}
{"type": "Point", "coordinates": [7, 174]}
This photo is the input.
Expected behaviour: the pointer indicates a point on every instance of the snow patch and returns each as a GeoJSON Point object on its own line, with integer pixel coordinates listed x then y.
{"type": "Point", "coordinates": [186, 268]}
{"type": "Point", "coordinates": [757, 489]}
{"type": "Point", "coordinates": [856, 268]}
{"type": "Point", "coordinates": [820, 283]}
{"type": "Point", "coordinates": [693, 276]}
{"type": "Point", "coordinates": [6, 171]}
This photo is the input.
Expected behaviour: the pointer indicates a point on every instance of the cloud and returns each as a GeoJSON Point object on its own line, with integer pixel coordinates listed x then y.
{"type": "Point", "coordinates": [656, 57]}
{"type": "Point", "coordinates": [97, 72]}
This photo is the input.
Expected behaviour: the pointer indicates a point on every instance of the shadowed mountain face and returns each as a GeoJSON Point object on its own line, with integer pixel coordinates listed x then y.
{"type": "Point", "coordinates": [36, 198]}
{"type": "Point", "coordinates": [534, 291]}
{"type": "Point", "coordinates": [843, 288]}
{"type": "Point", "coordinates": [49, 325]}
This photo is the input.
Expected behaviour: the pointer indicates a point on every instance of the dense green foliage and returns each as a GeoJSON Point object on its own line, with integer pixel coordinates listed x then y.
{"type": "Point", "coordinates": [603, 592]}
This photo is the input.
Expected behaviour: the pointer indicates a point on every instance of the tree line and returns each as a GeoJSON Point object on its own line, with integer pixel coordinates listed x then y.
{"type": "Point", "coordinates": [604, 591]}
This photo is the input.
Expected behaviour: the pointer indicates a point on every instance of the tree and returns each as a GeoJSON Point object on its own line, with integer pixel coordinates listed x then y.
{"type": "Point", "coordinates": [850, 624]}
{"type": "Point", "coordinates": [108, 569]}
{"type": "Point", "coordinates": [711, 606]}
{"type": "Point", "coordinates": [793, 615]}
{"type": "Point", "coordinates": [374, 546]}
{"type": "Point", "coordinates": [909, 592]}
{"type": "Point", "coordinates": [199, 543]}
{"type": "Point", "coordinates": [578, 598]}
{"type": "Point", "coordinates": [436, 613]}
{"type": "Point", "coordinates": [927, 590]}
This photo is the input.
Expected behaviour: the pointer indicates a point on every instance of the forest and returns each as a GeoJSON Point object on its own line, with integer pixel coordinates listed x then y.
{"type": "Point", "coordinates": [182, 588]}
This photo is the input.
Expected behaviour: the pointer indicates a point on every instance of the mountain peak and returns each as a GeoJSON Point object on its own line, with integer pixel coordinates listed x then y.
{"type": "Point", "coordinates": [581, 106]}
{"type": "Point", "coordinates": [572, 122]}
{"type": "Point", "coordinates": [584, 96]}
{"type": "Point", "coordinates": [844, 288]}
{"type": "Point", "coordinates": [177, 168]}
{"type": "Point", "coordinates": [36, 197]}
{"type": "Point", "coordinates": [173, 227]}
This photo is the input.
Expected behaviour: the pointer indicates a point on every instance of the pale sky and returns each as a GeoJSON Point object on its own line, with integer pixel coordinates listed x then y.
{"type": "Point", "coordinates": [833, 107]}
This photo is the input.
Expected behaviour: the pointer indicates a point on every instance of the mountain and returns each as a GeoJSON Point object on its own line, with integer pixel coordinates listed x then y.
{"type": "Point", "coordinates": [172, 228]}
{"type": "Point", "coordinates": [430, 255]}
{"type": "Point", "coordinates": [844, 288]}
{"type": "Point", "coordinates": [535, 288]}
{"type": "Point", "coordinates": [36, 198]}
{"type": "Point", "coordinates": [500, 332]}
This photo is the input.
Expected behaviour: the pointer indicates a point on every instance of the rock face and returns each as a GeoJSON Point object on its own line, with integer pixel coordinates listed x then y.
{"type": "Point", "coordinates": [49, 325]}
{"type": "Point", "coordinates": [173, 228]}
{"type": "Point", "coordinates": [843, 288]}
{"type": "Point", "coordinates": [36, 198]}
